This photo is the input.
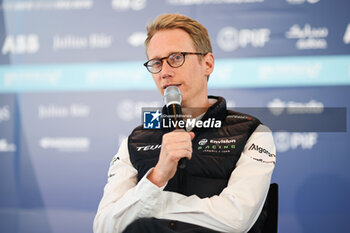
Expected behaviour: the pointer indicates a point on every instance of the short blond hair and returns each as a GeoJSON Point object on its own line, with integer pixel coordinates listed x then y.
{"type": "Point", "coordinates": [198, 33]}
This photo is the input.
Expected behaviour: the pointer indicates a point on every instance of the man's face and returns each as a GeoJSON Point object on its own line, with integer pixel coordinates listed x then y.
{"type": "Point", "coordinates": [191, 77]}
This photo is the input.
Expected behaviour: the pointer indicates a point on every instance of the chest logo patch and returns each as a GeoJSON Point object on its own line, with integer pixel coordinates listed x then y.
{"type": "Point", "coordinates": [222, 145]}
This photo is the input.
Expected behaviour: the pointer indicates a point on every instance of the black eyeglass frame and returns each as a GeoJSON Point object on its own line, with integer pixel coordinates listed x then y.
{"type": "Point", "coordinates": [167, 58]}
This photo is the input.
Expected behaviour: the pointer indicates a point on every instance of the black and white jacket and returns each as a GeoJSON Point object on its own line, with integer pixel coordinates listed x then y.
{"type": "Point", "coordinates": [223, 186]}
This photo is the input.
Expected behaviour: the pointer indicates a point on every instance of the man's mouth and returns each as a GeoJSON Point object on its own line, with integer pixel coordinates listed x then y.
{"type": "Point", "coordinates": [168, 85]}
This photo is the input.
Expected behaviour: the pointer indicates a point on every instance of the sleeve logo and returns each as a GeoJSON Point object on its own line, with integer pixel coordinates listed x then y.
{"type": "Point", "coordinates": [262, 151]}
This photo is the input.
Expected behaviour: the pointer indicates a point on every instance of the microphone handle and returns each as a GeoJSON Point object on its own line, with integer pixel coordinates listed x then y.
{"type": "Point", "coordinates": [182, 163]}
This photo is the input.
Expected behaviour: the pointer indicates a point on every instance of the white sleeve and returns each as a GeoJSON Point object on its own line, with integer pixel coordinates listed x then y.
{"type": "Point", "coordinates": [238, 206]}
{"type": "Point", "coordinates": [125, 200]}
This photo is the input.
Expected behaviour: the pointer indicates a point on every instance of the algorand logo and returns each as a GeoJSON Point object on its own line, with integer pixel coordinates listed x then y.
{"type": "Point", "coordinates": [278, 106]}
{"type": "Point", "coordinates": [308, 37]}
{"type": "Point", "coordinates": [290, 141]}
{"type": "Point", "coordinates": [261, 150]}
{"type": "Point", "coordinates": [21, 44]}
{"type": "Point", "coordinates": [230, 38]}
{"type": "Point", "coordinates": [124, 5]}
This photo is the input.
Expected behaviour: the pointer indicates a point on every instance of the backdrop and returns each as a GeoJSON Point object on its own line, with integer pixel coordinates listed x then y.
{"type": "Point", "coordinates": [72, 86]}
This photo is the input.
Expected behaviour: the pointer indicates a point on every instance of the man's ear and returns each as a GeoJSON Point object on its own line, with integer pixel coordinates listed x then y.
{"type": "Point", "coordinates": [209, 61]}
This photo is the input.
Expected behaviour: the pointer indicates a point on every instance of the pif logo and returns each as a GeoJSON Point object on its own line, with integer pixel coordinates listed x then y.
{"type": "Point", "coordinates": [229, 38]}
{"type": "Point", "coordinates": [151, 119]}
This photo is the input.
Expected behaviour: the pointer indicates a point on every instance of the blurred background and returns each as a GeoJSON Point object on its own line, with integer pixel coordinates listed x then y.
{"type": "Point", "coordinates": [72, 86]}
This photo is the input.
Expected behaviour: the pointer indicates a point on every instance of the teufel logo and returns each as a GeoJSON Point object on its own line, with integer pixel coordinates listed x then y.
{"type": "Point", "coordinates": [149, 147]}
{"type": "Point", "coordinates": [230, 38]}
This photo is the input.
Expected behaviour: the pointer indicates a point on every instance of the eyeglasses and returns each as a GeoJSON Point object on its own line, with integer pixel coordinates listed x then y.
{"type": "Point", "coordinates": [174, 60]}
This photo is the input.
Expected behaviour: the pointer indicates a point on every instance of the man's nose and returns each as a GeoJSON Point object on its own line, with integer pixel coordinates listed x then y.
{"type": "Point", "coordinates": [167, 70]}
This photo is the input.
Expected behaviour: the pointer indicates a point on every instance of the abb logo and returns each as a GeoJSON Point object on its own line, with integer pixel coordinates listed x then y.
{"type": "Point", "coordinates": [20, 44]}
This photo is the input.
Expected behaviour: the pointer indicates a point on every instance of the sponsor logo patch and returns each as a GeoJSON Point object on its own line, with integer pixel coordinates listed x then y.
{"type": "Point", "coordinates": [220, 145]}
{"type": "Point", "coordinates": [262, 150]}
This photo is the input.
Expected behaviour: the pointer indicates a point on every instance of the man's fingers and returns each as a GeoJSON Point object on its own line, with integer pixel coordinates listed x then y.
{"type": "Point", "coordinates": [179, 154]}
{"type": "Point", "coordinates": [178, 136]}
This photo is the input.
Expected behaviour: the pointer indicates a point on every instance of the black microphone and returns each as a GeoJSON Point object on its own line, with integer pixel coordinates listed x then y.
{"type": "Point", "coordinates": [172, 99]}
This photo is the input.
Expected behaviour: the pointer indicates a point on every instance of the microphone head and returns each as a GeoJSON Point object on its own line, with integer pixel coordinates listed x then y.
{"type": "Point", "coordinates": [172, 95]}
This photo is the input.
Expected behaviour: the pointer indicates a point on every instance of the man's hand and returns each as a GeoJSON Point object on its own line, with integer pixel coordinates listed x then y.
{"type": "Point", "coordinates": [175, 145]}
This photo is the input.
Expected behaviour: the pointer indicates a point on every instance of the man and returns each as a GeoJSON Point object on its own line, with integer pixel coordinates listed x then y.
{"type": "Point", "coordinates": [228, 170]}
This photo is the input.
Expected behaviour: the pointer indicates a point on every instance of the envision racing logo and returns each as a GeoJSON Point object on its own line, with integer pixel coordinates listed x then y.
{"type": "Point", "coordinates": [203, 142]}
{"type": "Point", "coordinates": [216, 145]}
